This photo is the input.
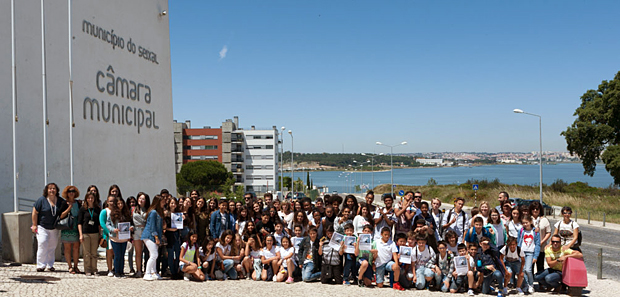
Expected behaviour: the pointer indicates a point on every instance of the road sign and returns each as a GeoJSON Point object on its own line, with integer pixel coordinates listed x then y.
{"type": "Point", "coordinates": [475, 187]}
{"type": "Point", "coordinates": [401, 192]}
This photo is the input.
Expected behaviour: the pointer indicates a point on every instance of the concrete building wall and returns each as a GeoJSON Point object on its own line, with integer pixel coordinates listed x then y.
{"type": "Point", "coordinates": [121, 46]}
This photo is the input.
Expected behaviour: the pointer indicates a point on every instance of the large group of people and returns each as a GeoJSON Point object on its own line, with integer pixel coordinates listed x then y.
{"type": "Point", "coordinates": [403, 244]}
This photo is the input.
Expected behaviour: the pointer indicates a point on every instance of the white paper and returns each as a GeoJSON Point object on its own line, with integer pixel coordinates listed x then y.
{"type": "Point", "coordinates": [336, 241]}
{"type": "Point", "coordinates": [349, 244]}
{"type": "Point", "coordinates": [460, 265]}
{"type": "Point", "coordinates": [405, 255]}
{"type": "Point", "coordinates": [176, 219]}
{"type": "Point", "coordinates": [365, 242]}
{"type": "Point", "coordinates": [123, 231]}
{"type": "Point", "coordinates": [297, 243]}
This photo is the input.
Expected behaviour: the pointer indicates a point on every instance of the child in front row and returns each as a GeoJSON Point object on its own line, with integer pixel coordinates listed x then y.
{"type": "Point", "coordinates": [349, 258]}
{"type": "Point", "coordinates": [444, 267]}
{"type": "Point", "coordinates": [406, 279]}
{"type": "Point", "coordinates": [387, 259]}
{"type": "Point", "coordinates": [252, 263]}
{"type": "Point", "coordinates": [364, 261]}
{"type": "Point", "coordinates": [207, 257]}
{"type": "Point", "coordinates": [287, 261]}
{"type": "Point", "coordinates": [424, 258]}
{"type": "Point", "coordinates": [514, 259]}
{"type": "Point", "coordinates": [459, 279]}
{"type": "Point", "coordinates": [476, 277]}
{"type": "Point", "coordinates": [188, 258]}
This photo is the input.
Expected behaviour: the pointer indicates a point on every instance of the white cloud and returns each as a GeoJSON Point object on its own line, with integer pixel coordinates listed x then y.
{"type": "Point", "coordinates": [223, 52]}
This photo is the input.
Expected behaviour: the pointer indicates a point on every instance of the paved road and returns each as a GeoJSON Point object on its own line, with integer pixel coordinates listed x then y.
{"type": "Point", "coordinates": [595, 238]}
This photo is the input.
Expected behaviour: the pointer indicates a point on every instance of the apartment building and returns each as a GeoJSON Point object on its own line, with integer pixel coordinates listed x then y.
{"type": "Point", "coordinates": [251, 155]}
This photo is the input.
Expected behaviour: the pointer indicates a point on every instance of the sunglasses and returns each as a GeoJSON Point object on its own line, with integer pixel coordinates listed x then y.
{"type": "Point", "coordinates": [555, 241]}
{"type": "Point", "coordinates": [71, 191]}
{"type": "Point", "coordinates": [567, 213]}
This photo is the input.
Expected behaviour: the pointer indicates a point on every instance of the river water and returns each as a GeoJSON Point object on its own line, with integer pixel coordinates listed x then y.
{"type": "Point", "coordinates": [507, 174]}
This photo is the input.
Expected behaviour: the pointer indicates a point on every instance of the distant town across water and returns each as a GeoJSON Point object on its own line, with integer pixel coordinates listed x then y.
{"type": "Point", "coordinates": [507, 174]}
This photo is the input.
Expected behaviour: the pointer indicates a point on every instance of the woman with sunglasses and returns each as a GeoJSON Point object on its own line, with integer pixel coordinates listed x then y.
{"type": "Point", "coordinates": [567, 229]}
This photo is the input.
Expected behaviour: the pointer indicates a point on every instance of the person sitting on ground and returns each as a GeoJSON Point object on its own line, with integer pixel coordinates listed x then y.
{"type": "Point", "coordinates": [555, 255]}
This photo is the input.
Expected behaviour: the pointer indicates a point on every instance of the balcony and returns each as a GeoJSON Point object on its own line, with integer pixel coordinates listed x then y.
{"type": "Point", "coordinates": [236, 160]}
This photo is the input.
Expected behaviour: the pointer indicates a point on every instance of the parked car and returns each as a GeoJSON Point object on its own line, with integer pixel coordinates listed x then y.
{"type": "Point", "coordinates": [298, 195]}
{"type": "Point", "coordinates": [518, 202]}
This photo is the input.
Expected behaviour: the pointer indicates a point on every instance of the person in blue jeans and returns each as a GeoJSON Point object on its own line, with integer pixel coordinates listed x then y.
{"type": "Point", "coordinates": [349, 259]}
{"type": "Point", "coordinates": [555, 255]}
{"type": "Point", "coordinates": [308, 257]}
{"type": "Point", "coordinates": [119, 214]}
{"type": "Point", "coordinates": [173, 239]}
{"type": "Point", "coordinates": [529, 242]}
{"type": "Point", "coordinates": [223, 249]}
{"type": "Point", "coordinates": [491, 267]}
{"type": "Point", "coordinates": [514, 259]}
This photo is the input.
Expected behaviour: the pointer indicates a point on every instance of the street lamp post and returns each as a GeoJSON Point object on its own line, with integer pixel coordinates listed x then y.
{"type": "Point", "coordinates": [391, 162]}
{"type": "Point", "coordinates": [372, 164]}
{"type": "Point", "coordinates": [541, 151]}
{"type": "Point", "coordinates": [282, 162]}
{"type": "Point", "coordinates": [292, 166]}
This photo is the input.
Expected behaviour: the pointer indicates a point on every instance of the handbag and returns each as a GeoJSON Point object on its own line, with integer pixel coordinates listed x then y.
{"type": "Point", "coordinates": [66, 223]}
{"type": "Point", "coordinates": [103, 243]}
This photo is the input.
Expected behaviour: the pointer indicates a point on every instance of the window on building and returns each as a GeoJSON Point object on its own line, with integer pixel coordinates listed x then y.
{"type": "Point", "coordinates": [200, 137]}
{"type": "Point", "coordinates": [269, 147]}
{"type": "Point", "coordinates": [202, 147]}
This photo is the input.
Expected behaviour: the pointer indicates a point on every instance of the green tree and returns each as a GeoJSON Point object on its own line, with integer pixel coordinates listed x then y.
{"type": "Point", "coordinates": [204, 176]}
{"type": "Point", "coordinates": [431, 182]}
{"type": "Point", "coordinates": [287, 182]}
{"type": "Point", "coordinates": [596, 131]}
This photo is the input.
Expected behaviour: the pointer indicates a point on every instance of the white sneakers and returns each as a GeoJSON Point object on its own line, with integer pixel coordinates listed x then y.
{"type": "Point", "coordinates": [157, 276]}
{"type": "Point", "coordinates": [520, 292]}
{"type": "Point", "coordinates": [470, 292]}
{"type": "Point", "coordinates": [186, 277]}
{"type": "Point", "coordinates": [531, 289]}
{"type": "Point", "coordinates": [110, 274]}
{"type": "Point", "coordinates": [148, 277]}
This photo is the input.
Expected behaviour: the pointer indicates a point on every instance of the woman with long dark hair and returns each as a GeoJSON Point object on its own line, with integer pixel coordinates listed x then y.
{"type": "Point", "coordinates": [120, 213]}
{"type": "Point", "coordinates": [88, 227]}
{"type": "Point", "coordinates": [201, 216]}
{"type": "Point", "coordinates": [139, 216]}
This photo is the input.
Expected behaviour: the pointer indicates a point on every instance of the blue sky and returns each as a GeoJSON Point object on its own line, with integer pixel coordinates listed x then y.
{"type": "Point", "coordinates": [441, 75]}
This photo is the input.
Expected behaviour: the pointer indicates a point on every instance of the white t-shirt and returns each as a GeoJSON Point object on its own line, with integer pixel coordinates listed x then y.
{"type": "Point", "coordinates": [453, 249]}
{"type": "Point", "coordinates": [566, 230]}
{"type": "Point", "coordinates": [287, 218]}
{"type": "Point", "coordinates": [528, 244]}
{"type": "Point", "coordinates": [513, 229]}
{"type": "Point", "coordinates": [202, 254]}
{"type": "Point", "coordinates": [358, 224]}
{"type": "Point", "coordinates": [285, 253]}
{"type": "Point", "coordinates": [255, 254]}
{"type": "Point", "coordinates": [269, 253]}
{"type": "Point", "coordinates": [384, 251]}
{"type": "Point", "coordinates": [189, 253]}
{"type": "Point", "coordinates": [279, 237]}
{"type": "Point", "coordinates": [544, 228]}
{"type": "Point", "coordinates": [512, 256]}
{"type": "Point", "coordinates": [225, 250]}
{"type": "Point", "coordinates": [484, 219]}
{"type": "Point", "coordinates": [499, 233]}
{"type": "Point", "coordinates": [422, 257]}
{"type": "Point", "coordinates": [382, 224]}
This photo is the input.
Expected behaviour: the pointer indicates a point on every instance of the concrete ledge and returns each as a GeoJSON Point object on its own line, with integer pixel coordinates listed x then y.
{"type": "Point", "coordinates": [17, 239]}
